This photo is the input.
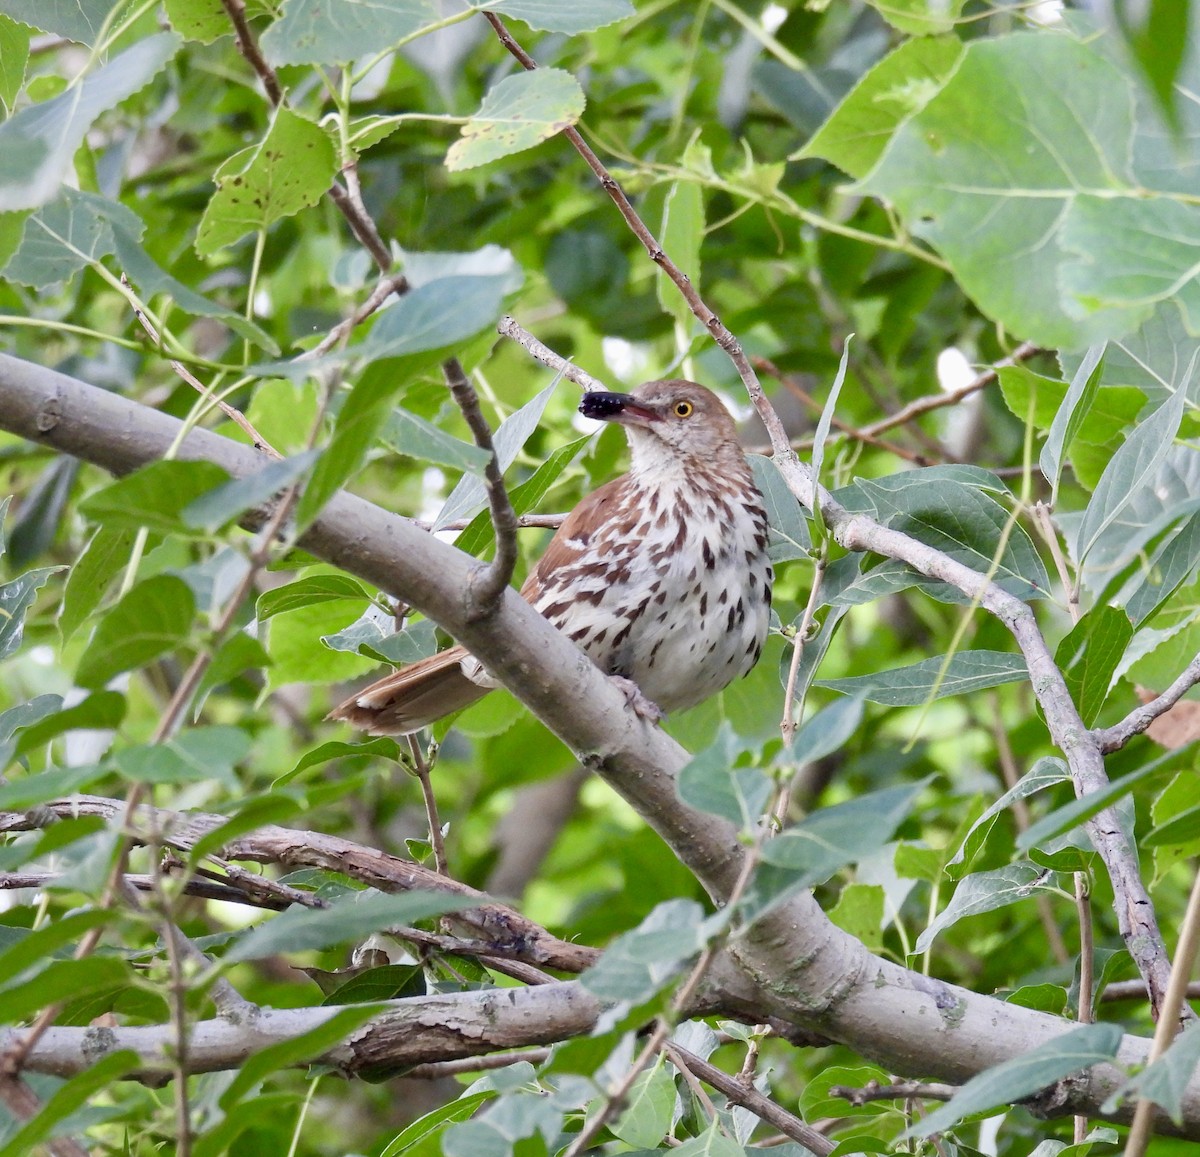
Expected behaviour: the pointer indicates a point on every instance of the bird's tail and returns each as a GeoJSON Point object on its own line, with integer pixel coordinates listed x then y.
{"type": "Point", "coordinates": [413, 697]}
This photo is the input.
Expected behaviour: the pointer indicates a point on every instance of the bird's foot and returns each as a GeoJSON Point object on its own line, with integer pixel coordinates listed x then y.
{"type": "Point", "coordinates": [642, 706]}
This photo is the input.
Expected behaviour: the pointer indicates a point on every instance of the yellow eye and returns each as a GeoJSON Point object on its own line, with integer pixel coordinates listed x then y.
{"type": "Point", "coordinates": [683, 409]}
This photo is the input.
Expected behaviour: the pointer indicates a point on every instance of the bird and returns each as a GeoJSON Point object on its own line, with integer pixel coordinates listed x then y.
{"type": "Point", "coordinates": [661, 577]}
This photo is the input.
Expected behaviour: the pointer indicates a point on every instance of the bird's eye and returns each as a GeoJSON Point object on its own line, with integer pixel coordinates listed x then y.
{"type": "Point", "coordinates": [683, 409]}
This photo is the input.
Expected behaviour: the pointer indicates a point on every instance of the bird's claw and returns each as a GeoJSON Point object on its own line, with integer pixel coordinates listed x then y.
{"type": "Point", "coordinates": [643, 707]}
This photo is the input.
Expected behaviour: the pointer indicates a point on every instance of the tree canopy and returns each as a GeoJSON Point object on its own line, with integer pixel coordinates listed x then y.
{"type": "Point", "coordinates": [286, 289]}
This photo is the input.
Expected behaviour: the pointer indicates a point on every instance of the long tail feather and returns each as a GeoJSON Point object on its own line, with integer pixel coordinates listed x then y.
{"type": "Point", "coordinates": [412, 697]}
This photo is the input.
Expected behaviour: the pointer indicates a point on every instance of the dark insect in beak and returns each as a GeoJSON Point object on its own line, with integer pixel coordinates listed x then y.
{"type": "Point", "coordinates": [603, 405]}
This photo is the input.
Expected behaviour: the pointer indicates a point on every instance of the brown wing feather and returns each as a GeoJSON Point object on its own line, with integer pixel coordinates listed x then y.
{"type": "Point", "coordinates": [417, 695]}
{"type": "Point", "coordinates": [572, 537]}
{"type": "Point", "coordinates": [413, 697]}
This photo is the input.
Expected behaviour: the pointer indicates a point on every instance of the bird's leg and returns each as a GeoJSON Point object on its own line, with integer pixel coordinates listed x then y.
{"type": "Point", "coordinates": [637, 700]}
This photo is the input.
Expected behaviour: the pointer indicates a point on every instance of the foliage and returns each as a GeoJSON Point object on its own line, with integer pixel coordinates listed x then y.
{"type": "Point", "coordinates": [194, 195]}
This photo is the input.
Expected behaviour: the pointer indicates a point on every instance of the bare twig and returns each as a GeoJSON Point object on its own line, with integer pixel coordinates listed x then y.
{"type": "Point", "coordinates": [396, 283]}
{"type": "Point", "coordinates": [420, 771]}
{"type": "Point", "coordinates": [231, 412]}
{"type": "Point", "coordinates": [436, 1070]}
{"type": "Point", "coordinates": [488, 582]}
{"type": "Point", "coordinates": [248, 47]}
{"type": "Point", "coordinates": [848, 428]}
{"type": "Point", "coordinates": [746, 1095]}
{"type": "Point", "coordinates": [1115, 737]}
{"type": "Point", "coordinates": [900, 1090]}
{"type": "Point", "coordinates": [923, 405]}
{"type": "Point", "coordinates": [509, 328]}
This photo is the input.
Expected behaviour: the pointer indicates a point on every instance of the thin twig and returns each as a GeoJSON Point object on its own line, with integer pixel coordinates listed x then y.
{"type": "Point", "coordinates": [488, 582]}
{"type": "Point", "coordinates": [848, 428]}
{"type": "Point", "coordinates": [231, 412]}
{"type": "Point", "coordinates": [746, 1095]}
{"type": "Point", "coordinates": [396, 283]}
{"type": "Point", "coordinates": [509, 328]}
{"type": "Point", "coordinates": [420, 771]}
{"type": "Point", "coordinates": [436, 1070]}
{"type": "Point", "coordinates": [900, 1090]}
{"type": "Point", "coordinates": [720, 334]}
{"type": "Point", "coordinates": [1087, 981]}
{"type": "Point", "coordinates": [915, 409]}
{"type": "Point", "coordinates": [1115, 737]}
{"type": "Point", "coordinates": [248, 47]}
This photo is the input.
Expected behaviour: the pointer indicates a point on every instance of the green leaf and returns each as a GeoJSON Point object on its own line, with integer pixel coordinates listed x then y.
{"type": "Point", "coordinates": [1157, 34]}
{"type": "Point", "coordinates": [38, 143]}
{"type": "Point", "coordinates": [1071, 416]}
{"type": "Point", "coordinates": [99, 1076]}
{"type": "Point", "coordinates": [711, 782]}
{"type": "Point", "coordinates": [639, 964]}
{"type": "Point", "coordinates": [470, 495]}
{"type": "Point", "coordinates": [153, 618]}
{"type": "Point", "coordinates": [1166, 1080]}
{"type": "Point", "coordinates": [317, 588]}
{"type": "Point", "coordinates": [16, 598]}
{"type": "Point", "coordinates": [422, 1138]}
{"type": "Point", "coordinates": [409, 434]}
{"type": "Point", "coordinates": [14, 56]}
{"type": "Point", "coordinates": [860, 911]}
{"type": "Point", "coordinates": [1130, 469]}
{"type": "Point", "coordinates": [232, 499]}
{"type": "Point", "coordinates": [966, 671]}
{"type": "Point", "coordinates": [339, 31]}
{"type": "Point", "coordinates": [194, 756]}
{"type": "Point", "coordinates": [901, 84]}
{"type": "Point", "coordinates": [835, 836]}
{"type": "Point", "coordinates": [920, 17]}
{"type": "Point", "coordinates": [70, 233]}
{"type": "Point", "coordinates": [648, 1108]}
{"type": "Point", "coordinates": [1047, 772]}
{"type": "Point", "coordinates": [292, 645]}
{"type": "Point", "coordinates": [713, 1142]}
{"type": "Point", "coordinates": [106, 553]}
{"type": "Point", "coordinates": [828, 730]}
{"type": "Point", "coordinates": [1013, 1080]}
{"type": "Point", "coordinates": [1078, 811]}
{"type": "Point", "coordinates": [63, 980]}
{"type": "Point", "coordinates": [32, 948]}
{"type": "Point", "coordinates": [1089, 656]}
{"type": "Point", "coordinates": [353, 918]}
{"type": "Point", "coordinates": [80, 21]}
{"type": "Point", "coordinates": [555, 16]}
{"type": "Point", "coordinates": [154, 496]}
{"type": "Point", "coordinates": [202, 20]}
{"type": "Point", "coordinates": [952, 510]}
{"type": "Point", "coordinates": [517, 113]}
{"type": "Point", "coordinates": [681, 236]}
{"type": "Point", "coordinates": [985, 892]}
{"type": "Point", "coordinates": [790, 537]}
{"type": "Point", "coordinates": [381, 747]}
{"type": "Point", "coordinates": [54, 783]}
{"type": "Point", "coordinates": [480, 534]}
{"type": "Point", "coordinates": [954, 163]}
{"type": "Point", "coordinates": [102, 711]}
{"type": "Point", "coordinates": [291, 169]}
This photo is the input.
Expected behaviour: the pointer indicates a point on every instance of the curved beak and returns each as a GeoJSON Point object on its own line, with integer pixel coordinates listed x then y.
{"type": "Point", "coordinates": [610, 407]}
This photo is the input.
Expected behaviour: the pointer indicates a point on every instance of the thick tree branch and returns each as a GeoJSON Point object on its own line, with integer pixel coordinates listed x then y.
{"type": "Point", "coordinates": [795, 964]}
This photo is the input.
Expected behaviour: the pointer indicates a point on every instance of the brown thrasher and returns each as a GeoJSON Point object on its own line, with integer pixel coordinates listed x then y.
{"type": "Point", "coordinates": [660, 576]}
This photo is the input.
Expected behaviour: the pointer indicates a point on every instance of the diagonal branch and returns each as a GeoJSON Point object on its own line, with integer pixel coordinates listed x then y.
{"type": "Point", "coordinates": [489, 582]}
{"type": "Point", "coordinates": [1115, 737]}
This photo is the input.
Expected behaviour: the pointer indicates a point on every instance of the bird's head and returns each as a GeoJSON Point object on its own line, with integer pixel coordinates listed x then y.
{"type": "Point", "coordinates": [675, 415]}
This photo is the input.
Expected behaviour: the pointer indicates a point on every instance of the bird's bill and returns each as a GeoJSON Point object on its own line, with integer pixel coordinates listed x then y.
{"type": "Point", "coordinates": [610, 407]}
